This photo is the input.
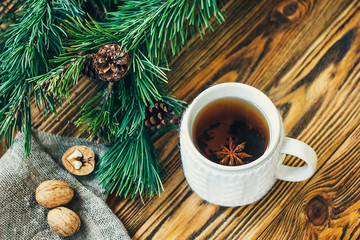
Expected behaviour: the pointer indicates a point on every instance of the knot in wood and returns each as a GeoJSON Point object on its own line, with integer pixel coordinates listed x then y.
{"type": "Point", "coordinates": [288, 11]}
{"type": "Point", "coordinates": [317, 210]}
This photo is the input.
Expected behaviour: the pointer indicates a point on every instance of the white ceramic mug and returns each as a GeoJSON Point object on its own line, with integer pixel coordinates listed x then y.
{"type": "Point", "coordinates": [241, 185]}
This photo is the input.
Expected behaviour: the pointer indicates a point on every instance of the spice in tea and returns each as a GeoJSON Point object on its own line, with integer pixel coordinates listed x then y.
{"type": "Point", "coordinates": [232, 155]}
{"type": "Point", "coordinates": [230, 132]}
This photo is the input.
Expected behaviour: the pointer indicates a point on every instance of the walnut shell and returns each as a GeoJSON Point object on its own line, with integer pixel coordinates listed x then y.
{"type": "Point", "coordinates": [63, 221]}
{"type": "Point", "coordinates": [88, 160]}
{"type": "Point", "coordinates": [53, 193]}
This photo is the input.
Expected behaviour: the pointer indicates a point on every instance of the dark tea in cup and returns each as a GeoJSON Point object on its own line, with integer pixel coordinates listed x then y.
{"type": "Point", "coordinates": [230, 131]}
{"type": "Point", "coordinates": [243, 117]}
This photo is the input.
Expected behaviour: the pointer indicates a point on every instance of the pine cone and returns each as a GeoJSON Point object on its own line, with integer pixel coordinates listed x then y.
{"type": "Point", "coordinates": [159, 115]}
{"type": "Point", "coordinates": [111, 63]}
{"type": "Point", "coordinates": [88, 68]}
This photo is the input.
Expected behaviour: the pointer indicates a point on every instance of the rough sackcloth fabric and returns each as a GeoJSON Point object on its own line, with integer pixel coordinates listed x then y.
{"type": "Point", "coordinates": [21, 217]}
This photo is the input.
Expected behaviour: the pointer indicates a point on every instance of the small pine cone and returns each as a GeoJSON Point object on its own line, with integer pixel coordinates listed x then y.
{"type": "Point", "coordinates": [111, 63]}
{"type": "Point", "coordinates": [88, 68]}
{"type": "Point", "coordinates": [159, 115]}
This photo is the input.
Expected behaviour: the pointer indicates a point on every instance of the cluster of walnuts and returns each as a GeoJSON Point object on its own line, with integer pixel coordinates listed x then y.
{"type": "Point", "coordinates": [78, 160]}
{"type": "Point", "coordinates": [54, 194]}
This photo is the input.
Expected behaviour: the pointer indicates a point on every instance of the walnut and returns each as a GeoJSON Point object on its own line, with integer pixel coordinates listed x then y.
{"type": "Point", "coordinates": [79, 160]}
{"type": "Point", "coordinates": [63, 221]}
{"type": "Point", "coordinates": [53, 193]}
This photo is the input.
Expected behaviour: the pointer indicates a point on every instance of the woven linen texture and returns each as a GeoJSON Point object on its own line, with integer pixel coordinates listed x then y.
{"type": "Point", "coordinates": [21, 217]}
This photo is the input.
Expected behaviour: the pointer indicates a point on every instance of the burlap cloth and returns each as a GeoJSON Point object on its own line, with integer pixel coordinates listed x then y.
{"type": "Point", "coordinates": [21, 217]}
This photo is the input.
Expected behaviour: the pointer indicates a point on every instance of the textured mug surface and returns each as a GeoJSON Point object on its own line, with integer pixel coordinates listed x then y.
{"type": "Point", "coordinates": [241, 185]}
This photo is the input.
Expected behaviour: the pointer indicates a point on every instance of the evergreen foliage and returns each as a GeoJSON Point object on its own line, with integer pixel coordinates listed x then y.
{"type": "Point", "coordinates": [29, 44]}
{"type": "Point", "coordinates": [44, 56]}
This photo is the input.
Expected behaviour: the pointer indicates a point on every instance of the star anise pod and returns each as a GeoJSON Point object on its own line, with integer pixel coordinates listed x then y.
{"type": "Point", "coordinates": [232, 156]}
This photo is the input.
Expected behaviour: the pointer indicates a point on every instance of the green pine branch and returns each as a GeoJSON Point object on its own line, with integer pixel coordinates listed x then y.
{"type": "Point", "coordinates": [162, 27]}
{"type": "Point", "coordinates": [29, 43]}
{"type": "Point", "coordinates": [144, 29]}
{"type": "Point", "coordinates": [61, 79]}
{"type": "Point", "coordinates": [63, 9]}
{"type": "Point", "coordinates": [159, 24]}
{"type": "Point", "coordinates": [148, 77]}
{"type": "Point", "coordinates": [151, 32]}
{"type": "Point", "coordinates": [132, 161]}
{"type": "Point", "coordinates": [85, 36]}
{"type": "Point", "coordinates": [99, 116]}
{"type": "Point", "coordinates": [119, 113]}
{"type": "Point", "coordinates": [12, 113]}
{"type": "Point", "coordinates": [131, 167]}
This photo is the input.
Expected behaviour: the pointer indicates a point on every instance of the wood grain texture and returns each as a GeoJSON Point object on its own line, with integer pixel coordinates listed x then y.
{"type": "Point", "coordinates": [305, 56]}
{"type": "Point", "coordinates": [321, 93]}
{"type": "Point", "coordinates": [327, 207]}
{"type": "Point", "coordinates": [1, 148]}
{"type": "Point", "coordinates": [259, 41]}
{"type": "Point", "coordinates": [198, 81]}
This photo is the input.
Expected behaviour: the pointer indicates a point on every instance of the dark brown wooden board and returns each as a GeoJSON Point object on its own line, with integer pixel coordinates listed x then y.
{"type": "Point", "coordinates": [305, 56]}
{"type": "Point", "coordinates": [319, 100]}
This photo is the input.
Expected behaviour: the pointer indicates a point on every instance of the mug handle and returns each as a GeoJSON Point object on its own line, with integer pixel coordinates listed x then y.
{"type": "Point", "coordinates": [303, 151]}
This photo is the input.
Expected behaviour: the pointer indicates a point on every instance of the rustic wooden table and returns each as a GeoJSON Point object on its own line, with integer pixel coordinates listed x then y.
{"type": "Point", "coordinates": [305, 55]}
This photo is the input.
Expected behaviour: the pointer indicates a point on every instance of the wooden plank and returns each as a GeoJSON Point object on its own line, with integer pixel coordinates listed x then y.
{"type": "Point", "coordinates": [328, 206]}
{"type": "Point", "coordinates": [319, 101]}
{"type": "Point", "coordinates": [257, 44]}
{"type": "Point", "coordinates": [1, 148]}
{"type": "Point", "coordinates": [323, 92]}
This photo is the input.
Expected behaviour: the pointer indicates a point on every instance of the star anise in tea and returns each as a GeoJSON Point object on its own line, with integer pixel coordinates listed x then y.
{"type": "Point", "coordinates": [233, 155]}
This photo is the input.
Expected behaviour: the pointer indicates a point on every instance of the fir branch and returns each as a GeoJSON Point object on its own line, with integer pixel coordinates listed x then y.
{"type": "Point", "coordinates": [120, 112]}
{"type": "Point", "coordinates": [12, 114]}
{"type": "Point", "coordinates": [162, 27]}
{"type": "Point", "coordinates": [24, 56]}
{"type": "Point", "coordinates": [161, 23]}
{"type": "Point", "coordinates": [98, 116]}
{"type": "Point", "coordinates": [149, 31]}
{"type": "Point", "coordinates": [131, 114]}
{"type": "Point", "coordinates": [62, 9]}
{"type": "Point", "coordinates": [139, 162]}
{"type": "Point", "coordinates": [30, 43]}
{"type": "Point", "coordinates": [61, 79]}
{"type": "Point", "coordinates": [85, 36]}
{"type": "Point", "coordinates": [130, 166]}
{"type": "Point", "coordinates": [148, 77]}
